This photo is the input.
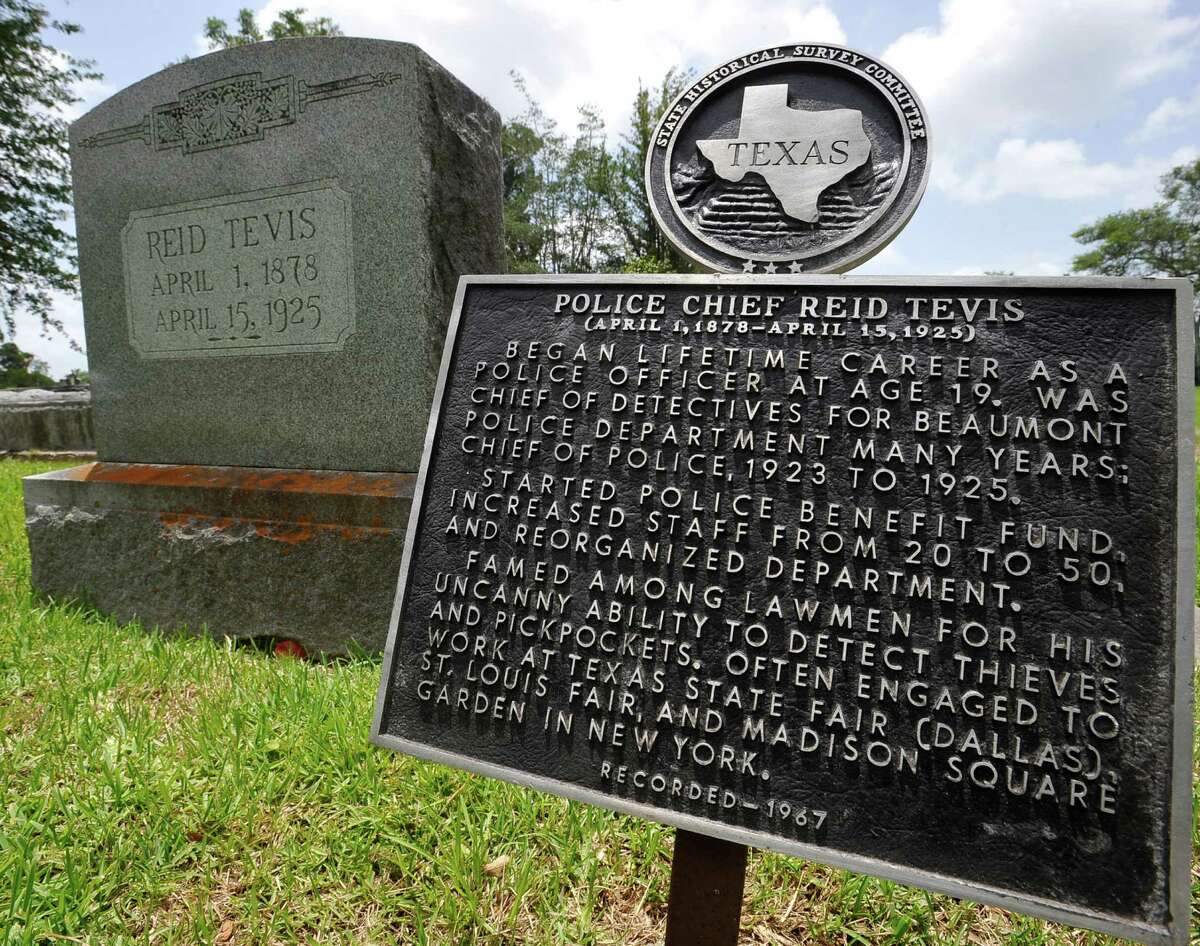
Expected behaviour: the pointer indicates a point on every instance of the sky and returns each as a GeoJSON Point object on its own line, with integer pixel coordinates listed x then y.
{"type": "Point", "coordinates": [1044, 114]}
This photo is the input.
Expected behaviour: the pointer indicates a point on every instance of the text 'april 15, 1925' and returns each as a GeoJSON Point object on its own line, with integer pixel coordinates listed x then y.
{"type": "Point", "coordinates": [883, 570]}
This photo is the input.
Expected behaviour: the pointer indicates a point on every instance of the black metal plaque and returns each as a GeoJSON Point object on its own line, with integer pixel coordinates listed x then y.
{"type": "Point", "coordinates": [892, 574]}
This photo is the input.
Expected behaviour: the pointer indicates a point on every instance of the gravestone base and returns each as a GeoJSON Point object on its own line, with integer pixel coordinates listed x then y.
{"type": "Point", "coordinates": [310, 556]}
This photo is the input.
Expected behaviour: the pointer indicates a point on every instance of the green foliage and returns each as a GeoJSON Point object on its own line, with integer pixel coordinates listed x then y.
{"type": "Point", "coordinates": [289, 24]}
{"type": "Point", "coordinates": [1162, 240]}
{"type": "Point", "coordinates": [36, 82]}
{"type": "Point", "coordinates": [642, 238]}
{"type": "Point", "coordinates": [649, 265]}
{"type": "Point", "coordinates": [573, 206]}
{"type": "Point", "coordinates": [19, 369]}
{"type": "Point", "coordinates": [523, 239]}
{"type": "Point", "coordinates": [583, 239]}
{"type": "Point", "coordinates": [556, 216]}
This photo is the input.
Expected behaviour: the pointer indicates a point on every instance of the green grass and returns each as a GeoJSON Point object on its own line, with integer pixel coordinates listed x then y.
{"type": "Point", "coordinates": [1197, 442]}
{"type": "Point", "coordinates": [171, 790]}
{"type": "Point", "coordinates": [1196, 416]}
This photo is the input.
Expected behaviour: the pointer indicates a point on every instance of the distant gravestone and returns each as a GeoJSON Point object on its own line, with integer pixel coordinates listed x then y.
{"type": "Point", "coordinates": [56, 422]}
{"type": "Point", "coordinates": [269, 241]}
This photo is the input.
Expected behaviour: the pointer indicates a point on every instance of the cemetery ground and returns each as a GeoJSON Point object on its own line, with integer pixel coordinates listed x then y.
{"type": "Point", "coordinates": [169, 790]}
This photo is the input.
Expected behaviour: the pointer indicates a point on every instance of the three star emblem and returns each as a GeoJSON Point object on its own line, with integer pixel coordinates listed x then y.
{"type": "Point", "coordinates": [795, 266]}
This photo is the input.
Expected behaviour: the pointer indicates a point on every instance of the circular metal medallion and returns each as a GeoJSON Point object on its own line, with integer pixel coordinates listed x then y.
{"type": "Point", "coordinates": [793, 159]}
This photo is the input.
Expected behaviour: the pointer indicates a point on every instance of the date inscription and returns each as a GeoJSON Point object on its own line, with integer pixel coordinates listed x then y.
{"type": "Point", "coordinates": [268, 272]}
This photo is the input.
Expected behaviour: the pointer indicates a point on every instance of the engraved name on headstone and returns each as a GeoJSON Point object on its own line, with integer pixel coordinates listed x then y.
{"type": "Point", "coordinates": [891, 574]}
{"type": "Point", "coordinates": [267, 272]}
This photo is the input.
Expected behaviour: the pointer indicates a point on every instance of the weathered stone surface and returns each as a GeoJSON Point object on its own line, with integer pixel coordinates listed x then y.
{"type": "Point", "coordinates": [32, 419]}
{"type": "Point", "coordinates": [269, 242]}
{"type": "Point", "coordinates": [270, 239]}
{"type": "Point", "coordinates": [225, 551]}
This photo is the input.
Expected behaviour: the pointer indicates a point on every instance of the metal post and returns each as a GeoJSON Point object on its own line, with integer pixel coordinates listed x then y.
{"type": "Point", "coordinates": [708, 876]}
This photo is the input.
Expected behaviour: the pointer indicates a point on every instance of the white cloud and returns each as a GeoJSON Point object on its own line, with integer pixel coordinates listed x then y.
{"type": "Point", "coordinates": [1171, 116]}
{"type": "Point", "coordinates": [1009, 67]}
{"type": "Point", "coordinates": [887, 262]}
{"type": "Point", "coordinates": [1024, 267]}
{"type": "Point", "coordinates": [91, 92]}
{"type": "Point", "coordinates": [1058, 170]}
{"type": "Point", "coordinates": [572, 53]}
{"type": "Point", "coordinates": [993, 75]}
{"type": "Point", "coordinates": [51, 346]}
{"type": "Point", "coordinates": [200, 46]}
{"type": "Point", "coordinates": [892, 262]}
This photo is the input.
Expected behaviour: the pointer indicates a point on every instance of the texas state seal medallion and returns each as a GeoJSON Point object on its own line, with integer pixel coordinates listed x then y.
{"type": "Point", "coordinates": [793, 159]}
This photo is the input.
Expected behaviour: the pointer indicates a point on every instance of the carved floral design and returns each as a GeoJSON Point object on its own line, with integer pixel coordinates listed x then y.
{"type": "Point", "coordinates": [232, 111]}
{"type": "Point", "coordinates": [227, 112]}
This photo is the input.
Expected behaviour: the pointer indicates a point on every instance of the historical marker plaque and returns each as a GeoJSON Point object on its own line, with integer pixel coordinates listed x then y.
{"type": "Point", "coordinates": [892, 574]}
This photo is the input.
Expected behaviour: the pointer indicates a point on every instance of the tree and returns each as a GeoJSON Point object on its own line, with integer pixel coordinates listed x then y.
{"type": "Point", "coordinates": [289, 24]}
{"type": "Point", "coordinates": [584, 239]}
{"type": "Point", "coordinates": [523, 238]}
{"type": "Point", "coordinates": [37, 256]}
{"type": "Point", "coordinates": [19, 369]}
{"type": "Point", "coordinates": [556, 213]}
{"type": "Point", "coordinates": [571, 206]}
{"type": "Point", "coordinates": [646, 248]}
{"type": "Point", "coordinates": [1162, 240]}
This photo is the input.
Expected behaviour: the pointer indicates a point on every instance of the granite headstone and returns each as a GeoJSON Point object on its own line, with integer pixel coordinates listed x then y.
{"type": "Point", "coordinates": [269, 242]}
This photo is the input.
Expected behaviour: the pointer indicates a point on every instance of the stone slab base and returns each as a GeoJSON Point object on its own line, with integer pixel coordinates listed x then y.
{"type": "Point", "coordinates": [57, 421]}
{"type": "Point", "coordinates": [230, 551]}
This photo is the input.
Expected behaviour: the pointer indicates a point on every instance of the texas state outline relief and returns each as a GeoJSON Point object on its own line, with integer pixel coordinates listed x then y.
{"type": "Point", "coordinates": [798, 153]}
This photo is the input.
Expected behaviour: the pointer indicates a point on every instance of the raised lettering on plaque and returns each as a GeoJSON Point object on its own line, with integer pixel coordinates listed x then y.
{"type": "Point", "coordinates": [265, 272]}
{"type": "Point", "coordinates": [891, 574]}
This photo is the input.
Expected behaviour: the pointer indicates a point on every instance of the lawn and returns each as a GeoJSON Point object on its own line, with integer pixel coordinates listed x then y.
{"type": "Point", "coordinates": [168, 790]}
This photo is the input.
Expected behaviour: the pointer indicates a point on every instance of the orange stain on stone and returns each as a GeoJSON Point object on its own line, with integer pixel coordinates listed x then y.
{"type": "Point", "coordinates": [290, 533]}
{"type": "Point", "coordinates": [248, 478]}
{"type": "Point", "coordinates": [242, 487]}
